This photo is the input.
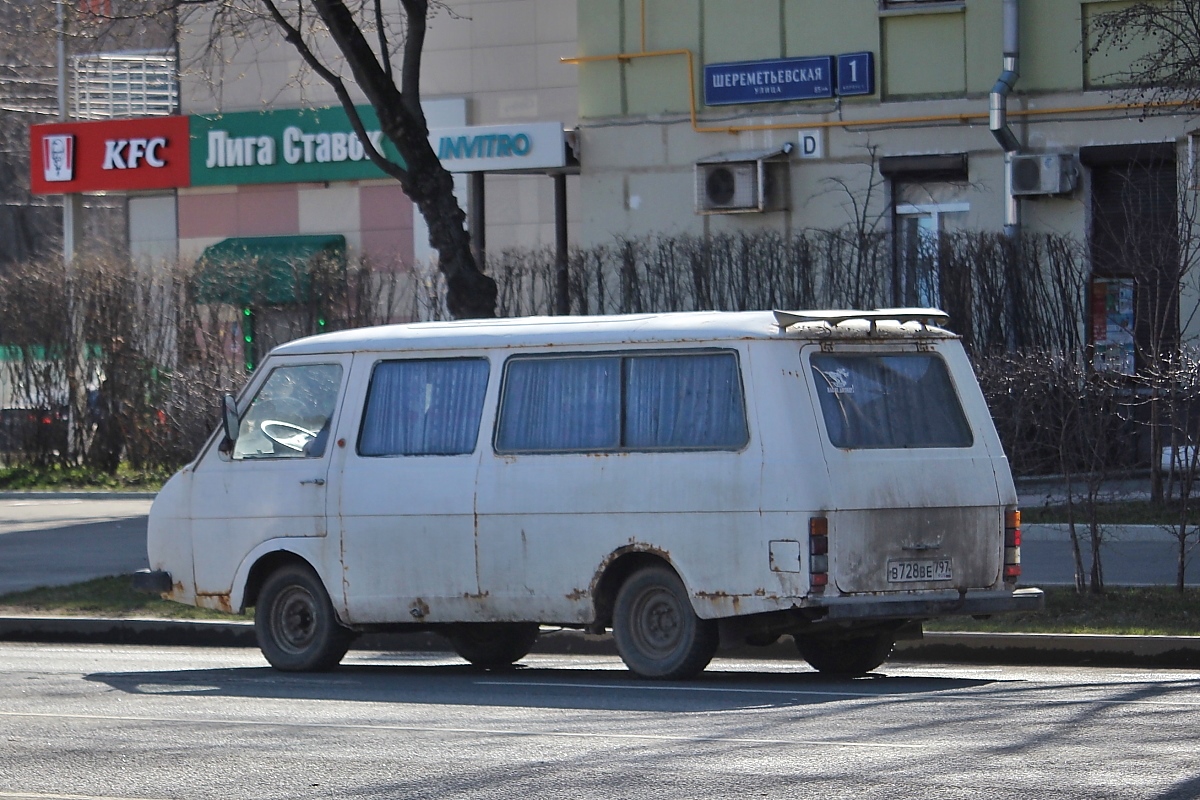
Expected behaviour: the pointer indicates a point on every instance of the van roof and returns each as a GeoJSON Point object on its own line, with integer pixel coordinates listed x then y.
{"type": "Point", "coordinates": [685, 326]}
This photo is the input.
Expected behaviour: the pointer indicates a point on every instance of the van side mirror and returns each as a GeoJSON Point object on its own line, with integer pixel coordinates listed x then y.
{"type": "Point", "coordinates": [229, 418]}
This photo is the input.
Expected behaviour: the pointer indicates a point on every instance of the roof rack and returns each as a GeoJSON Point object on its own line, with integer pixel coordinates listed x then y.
{"type": "Point", "coordinates": [925, 316]}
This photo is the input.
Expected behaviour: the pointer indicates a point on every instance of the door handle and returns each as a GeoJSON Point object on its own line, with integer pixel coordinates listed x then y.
{"type": "Point", "coordinates": [314, 481]}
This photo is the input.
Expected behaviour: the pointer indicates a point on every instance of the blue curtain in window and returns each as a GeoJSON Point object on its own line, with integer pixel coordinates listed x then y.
{"type": "Point", "coordinates": [419, 408]}
{"type": "Point", "coordinates": [560, 404]}
{"type": "Point", "coordinates": [681, 402]}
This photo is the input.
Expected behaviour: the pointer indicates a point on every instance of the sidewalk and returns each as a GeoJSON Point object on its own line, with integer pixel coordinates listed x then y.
{"type": "Point", "coordinates": [1181, 652]}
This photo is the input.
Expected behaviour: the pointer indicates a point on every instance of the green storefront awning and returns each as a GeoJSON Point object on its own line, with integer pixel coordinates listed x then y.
{"type": "Point", "coordinates": [265, 270]}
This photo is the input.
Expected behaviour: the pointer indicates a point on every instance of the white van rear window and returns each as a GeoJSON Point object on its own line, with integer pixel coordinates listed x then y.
{"type": "Point", "coordinates": [901, 400]}
{"type": "Point", "coordinates": [424, 407]}
{"type": "Point", "coordinates": [690, 401]}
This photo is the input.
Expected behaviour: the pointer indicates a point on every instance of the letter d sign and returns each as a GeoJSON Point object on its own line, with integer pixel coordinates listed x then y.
{"type": "Point", "coordinates": [812, 144]}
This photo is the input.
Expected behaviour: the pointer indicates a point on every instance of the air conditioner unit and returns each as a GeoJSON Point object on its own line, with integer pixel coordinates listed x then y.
{"type": "Point", "coordinates": [731, 187]}
{"type": "Point", "coordinates": [1049, 173]}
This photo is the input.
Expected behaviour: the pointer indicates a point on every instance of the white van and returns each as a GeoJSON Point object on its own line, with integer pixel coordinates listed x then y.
{"type": "Point", "coordinates": [686, 480]}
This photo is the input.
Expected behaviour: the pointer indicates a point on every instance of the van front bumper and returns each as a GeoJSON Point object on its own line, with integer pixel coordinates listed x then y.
{"type": "Point", "coordinates": [853, 607]}
{"type": "Point", "coordinates": [151, 581]}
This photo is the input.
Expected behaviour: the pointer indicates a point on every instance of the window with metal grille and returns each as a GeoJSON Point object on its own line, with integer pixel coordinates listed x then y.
{"type": "Point", "coordinates": [112, 85]}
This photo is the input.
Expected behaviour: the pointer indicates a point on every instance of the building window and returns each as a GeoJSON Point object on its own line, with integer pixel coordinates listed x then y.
{"type": "Point", "coordinates": [113, 85]}
{"type": "Point", "coordinates": [889, 5]}
{"type": "Point", "coordinates": [1134, 248]}
{"type": "Point", "coordinates": [918, 242]}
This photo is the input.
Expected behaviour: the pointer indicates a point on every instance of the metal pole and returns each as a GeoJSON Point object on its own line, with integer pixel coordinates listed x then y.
{"type": "Point", "coordinates": [72, 217]}
{"type": "Point", "coordinates": [562, 292]}
{"type": "Point", "coordinates": [476, 218]}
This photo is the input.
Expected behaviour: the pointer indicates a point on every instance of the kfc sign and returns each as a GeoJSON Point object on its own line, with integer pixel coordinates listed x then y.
{"type": "Point", "coordinates": [110, 155]}
{"type": "Point", "coordinates": [127, 153]}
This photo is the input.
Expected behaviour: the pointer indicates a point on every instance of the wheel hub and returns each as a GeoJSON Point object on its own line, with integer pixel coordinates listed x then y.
{"type": "Point", "coordinates": [295, 619]}
{"type": "Point", "coordinates": [660, 628]}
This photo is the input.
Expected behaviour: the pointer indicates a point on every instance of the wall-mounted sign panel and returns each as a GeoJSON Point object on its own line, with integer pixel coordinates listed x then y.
{"type": "Point", "coordinates": [1112, 325]}
{"type": "Point", "coordinates": [856, 74]}
{"type": "Point", "coordinates": [493, 148]}
{"type": "Point", "coordinates": [812, 144]}
{"type": "Point", "coordinates": [109, 155]}
{"type": "Point", "coordinates": [286, 146]}
{"type": "Point", "coordinates": [768, 81]}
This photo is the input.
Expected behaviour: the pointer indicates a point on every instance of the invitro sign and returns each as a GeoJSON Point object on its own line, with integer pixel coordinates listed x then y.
{"type": "Point", "coordinates": [497, 148]}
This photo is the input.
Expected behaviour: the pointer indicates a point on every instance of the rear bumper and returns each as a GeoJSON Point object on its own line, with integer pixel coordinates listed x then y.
{"type": "Point", "coordinates": [909, 607]}
{"type": "Point", "coordinates": [151, 581]}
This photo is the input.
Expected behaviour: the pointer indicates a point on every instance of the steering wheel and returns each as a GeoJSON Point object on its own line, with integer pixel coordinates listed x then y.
{"type": "Point", "coordinates": [287, 434]}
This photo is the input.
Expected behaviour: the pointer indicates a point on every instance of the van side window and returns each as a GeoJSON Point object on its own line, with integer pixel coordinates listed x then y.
{"type": "Point", "coordinates": [290, 415]}
{"type": "Point", "coordinates": [690, 401]}
{"type": "Point", "coordinates": [901, 400]}
{"type": "Point", "coordinates": [424, 407]}
{"type": "Point", "coordinates": [683, 402]}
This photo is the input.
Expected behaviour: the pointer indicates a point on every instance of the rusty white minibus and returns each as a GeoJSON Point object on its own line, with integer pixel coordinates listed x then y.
{"type": "Point", "coordinates": [687, 481]}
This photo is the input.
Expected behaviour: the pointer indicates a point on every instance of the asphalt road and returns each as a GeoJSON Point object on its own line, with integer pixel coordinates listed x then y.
{"type": "Point", "coordinates": [104, 722]}
{"type": "Point", "coordinates": [62, 540]}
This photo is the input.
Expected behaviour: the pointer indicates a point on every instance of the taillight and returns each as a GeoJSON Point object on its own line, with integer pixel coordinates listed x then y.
{"type": "Point", "coordinates": [1012, 546]}
{"type": "Point", "coordinates": [818, 553]}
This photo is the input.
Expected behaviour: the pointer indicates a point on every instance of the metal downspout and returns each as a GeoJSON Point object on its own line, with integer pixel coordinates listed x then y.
{"type": "Point", "coordinates": [998, 114]}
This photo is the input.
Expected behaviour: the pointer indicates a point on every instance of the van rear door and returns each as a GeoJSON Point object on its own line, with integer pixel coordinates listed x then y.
{"type": "Point", "coordinates": [912, 458]}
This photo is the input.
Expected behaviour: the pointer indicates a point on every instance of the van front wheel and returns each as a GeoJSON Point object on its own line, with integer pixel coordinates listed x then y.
{"type": "Point", "coordinates": [294, 622]}
{"type": "Point", "coordinates": [655, 629]}
{"type": "Point", "coordinates": [849, 656]}
{"type": "Point", "coordinates": [493, 645]}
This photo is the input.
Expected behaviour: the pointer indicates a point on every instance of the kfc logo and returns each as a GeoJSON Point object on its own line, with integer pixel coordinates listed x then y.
{"type": "Point", "coordinates": [58, 157]}
{"type": "Point", "coordinates": [128, 153]}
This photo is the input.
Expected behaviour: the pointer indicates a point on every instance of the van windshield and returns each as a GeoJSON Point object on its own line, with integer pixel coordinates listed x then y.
{"type": "Point", "coordinates": [290, 415]}
{"type": "Point", "coordinates": [897, 400]}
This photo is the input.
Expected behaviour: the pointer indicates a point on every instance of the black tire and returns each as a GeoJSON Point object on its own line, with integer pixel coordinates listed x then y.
{"type": "Point", "coordinates": [848, 656]}
{"type": "Point", "coordinates": [656, 631]}
{"type": "Point", "coordinates": [493, 645]}
{"type": "Point", "coordinates": [295, 624]}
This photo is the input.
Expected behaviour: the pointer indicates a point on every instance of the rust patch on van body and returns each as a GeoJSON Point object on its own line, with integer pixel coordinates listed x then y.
{"type": "Point", "coordinates": [215, 601]}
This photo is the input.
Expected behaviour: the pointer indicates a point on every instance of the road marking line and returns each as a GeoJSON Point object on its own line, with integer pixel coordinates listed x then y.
{"type": "Point", "coordinates": [42, 796]}
{"type": "Point", "coordinates": [932, 694]}
{"type": "Point", "coordinates": [660, 688]}
{"type": "Point", "coordinates": [473, 731]}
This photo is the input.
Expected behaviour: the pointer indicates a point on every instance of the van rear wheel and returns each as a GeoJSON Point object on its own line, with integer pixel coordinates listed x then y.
{"type": "Point", "coordinates": [656, 631]}
{"type": "Point", "coordinates": [295, 624]}
{"type": "Point", "coordinates": [493, 645]}
{"type": "Point", "coordinates": [847, 655]}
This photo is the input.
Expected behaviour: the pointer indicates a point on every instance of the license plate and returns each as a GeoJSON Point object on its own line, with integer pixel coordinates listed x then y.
{"type": "Point", "coordinates": [919, 570]}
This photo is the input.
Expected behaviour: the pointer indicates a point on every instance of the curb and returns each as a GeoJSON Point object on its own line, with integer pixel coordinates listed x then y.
{"type": "Point", "coordinates": [994, 648]}
{"type": "Point", "coordinates": [80, 494]}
